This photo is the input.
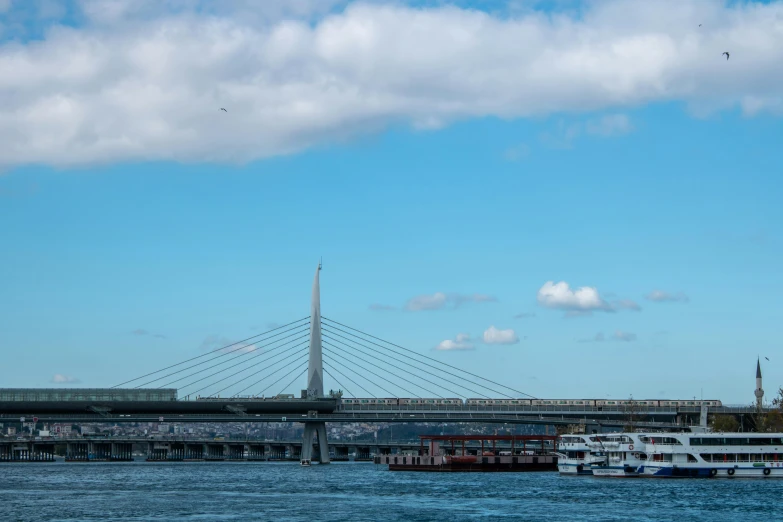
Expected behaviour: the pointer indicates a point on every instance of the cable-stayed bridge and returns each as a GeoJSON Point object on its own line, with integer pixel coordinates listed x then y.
{"type": "Point", "coordinates": [372, 380]}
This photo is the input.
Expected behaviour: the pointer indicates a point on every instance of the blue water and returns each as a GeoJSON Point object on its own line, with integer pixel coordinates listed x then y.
{"type": "Point", "coordinates": [361, 491]}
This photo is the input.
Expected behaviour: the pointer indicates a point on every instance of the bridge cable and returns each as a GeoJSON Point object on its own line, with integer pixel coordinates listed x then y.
{"type": "Point", "coordinates": [255, 348]}
{"type": "Point", "coordinates": [383, 369]}
{"type": "Point", "coordinates": [221, 380]}
{"type": "Point", "coordinates": [339, 383]}
{"type": "Point", "coordinates": [354, 382]}
{"type": "Point", "coordinates": [431, 359]}
{"type": "Point", "coordinates": [283, 377]}
{"type": "Point", "coordinates": [213, 351]}
{"type": "Point", "coordinates": [376, 352]}
{"type": "Point", "coordinates": [262, 379]}
{"type": "Point", "coordinates": [257, 372]}
{"type": "Point", "coordinates": [421, 362]}
{"type": "Point", "coordinates": [292, 382]}
{"type": "Point", "coordinates": [410, 393]}
{"type": "Point", "coordinates": [256, 364]}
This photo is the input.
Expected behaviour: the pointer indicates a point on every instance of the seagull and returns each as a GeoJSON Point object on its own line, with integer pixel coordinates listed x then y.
{"type": "Point", "coordinates": [699, 25]}
{"type": "Point", "coordinates": [767, 358]}
{"type": "Point", "coordinates": [224, 110]}
{"type": "Point", "coordinates": [727, 55]}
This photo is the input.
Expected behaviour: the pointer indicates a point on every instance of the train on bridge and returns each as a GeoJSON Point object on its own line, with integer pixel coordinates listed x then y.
{"type": "Point", "coordinates": [526, 402]}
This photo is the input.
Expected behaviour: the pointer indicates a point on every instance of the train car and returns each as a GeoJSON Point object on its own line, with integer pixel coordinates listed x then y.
{"type": "Point", "coordinates": [86, 394]}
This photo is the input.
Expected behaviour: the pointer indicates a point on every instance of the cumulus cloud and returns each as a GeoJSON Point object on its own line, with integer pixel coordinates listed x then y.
{"type": "Point", "coordinates": [660, 296]}
{"type": "Point", "coordinates": [627, 304]}
{"type": "Point", "coordinates": [143, 80]}
{"type": "Point", "coordinates": [461, 342]}
{"type": "Point", "coordinates": [440, 300]}
{"type": "Point", "coordinates": [213, 343]}
{"type": "Point", "coordinates": [619, 335]}
{"type": "Point", "coordinates": [495, 336]}
{"type": "Point", "coordinates": [59, 378]}
{"type": "Point", "coordinates": [142, 332]}
{"type": "Point", "coordinates": [381, 307]}
{"type": "Point", "coordinates": [611, 125]}
{"type": "Point", "coordinates": [581, 300]}
{"type": "Point", "coordinates": [597, 338]}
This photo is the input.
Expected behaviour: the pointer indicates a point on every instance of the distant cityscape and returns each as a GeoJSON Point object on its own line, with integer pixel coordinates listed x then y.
{"type": "Point", "coordinates": [261, 431]}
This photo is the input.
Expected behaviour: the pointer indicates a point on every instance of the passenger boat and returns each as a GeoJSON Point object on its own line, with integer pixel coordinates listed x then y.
{"type": "Point", "coordinates": [708, 455]}
{"type": "Point", "coordinates": [575, 456]}
{"type": "Point", "coordinates": [305, 462]}
{"type": "Point", "coordinates": [618, 455]}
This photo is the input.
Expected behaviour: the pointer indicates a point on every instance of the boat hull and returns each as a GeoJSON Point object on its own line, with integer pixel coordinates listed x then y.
{"type": "Point", "coordinates": [772, 471]}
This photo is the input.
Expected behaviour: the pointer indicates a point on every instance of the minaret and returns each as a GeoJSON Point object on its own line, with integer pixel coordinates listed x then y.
{"type": "Point", "coordinates": [759, 390]}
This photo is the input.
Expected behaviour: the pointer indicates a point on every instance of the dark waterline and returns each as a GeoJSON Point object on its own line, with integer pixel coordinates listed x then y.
{"type": "Point", "coordinates": [360, 491]}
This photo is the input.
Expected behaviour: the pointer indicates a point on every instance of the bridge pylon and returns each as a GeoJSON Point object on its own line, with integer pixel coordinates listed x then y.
{"type": "Point", "coordinates": [315, 379]}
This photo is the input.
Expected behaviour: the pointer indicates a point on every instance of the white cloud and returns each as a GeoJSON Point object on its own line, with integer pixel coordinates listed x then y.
{"type": "Point", "coordinates": [517, 152]}
{"type": "Point", "coordinates": [216, 342]}
{"type": "Point", "coordinates": [560, 296]}
{"type": "Point", "coordinates": [59, 378]}
{"type": "Point", "coordinates": [661, 296]}
{"type": "Point", "coordinates": [461, 342]}
{"type": "Point", "coordinates": [627, 304]}
{"type": "Point", "coordinates": [611, 125]}
{"type": "Point", "coordinates": [440, 300]}
{"type": "Point", "coordinates": [619, 335]}
{"type": "Point", "coordinates": [494, 336]}
{"type": "Point", "coordinates": [144, 80]}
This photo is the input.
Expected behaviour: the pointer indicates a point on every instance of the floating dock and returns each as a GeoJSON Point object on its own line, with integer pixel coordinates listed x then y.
{"type": "Point", "coordinates": [470, 453]}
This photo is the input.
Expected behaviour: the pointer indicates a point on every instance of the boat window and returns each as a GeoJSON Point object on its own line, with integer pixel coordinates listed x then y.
{"type": "Point", "coordinates": [691, 458]}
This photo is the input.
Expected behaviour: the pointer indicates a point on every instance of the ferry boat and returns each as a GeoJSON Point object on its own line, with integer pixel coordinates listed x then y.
{"type": "Point", "coordinates": [617, 455]}
{"type": "Point", "coordinates": [575, 456]}
{"type": "Point", "coordinates": [708, 455]}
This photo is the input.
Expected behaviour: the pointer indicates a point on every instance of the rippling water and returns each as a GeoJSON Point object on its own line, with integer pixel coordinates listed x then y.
{"type": "Point", "coordinates": [361, 491]}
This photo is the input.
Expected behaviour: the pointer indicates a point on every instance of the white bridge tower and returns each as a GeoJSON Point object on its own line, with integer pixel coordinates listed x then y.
{"type": "Point", "coordinates": [315, 379]}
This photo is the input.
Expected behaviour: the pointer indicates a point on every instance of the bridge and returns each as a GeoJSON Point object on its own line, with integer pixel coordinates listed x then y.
{"type": "Point", "coordinates": [210, 388]}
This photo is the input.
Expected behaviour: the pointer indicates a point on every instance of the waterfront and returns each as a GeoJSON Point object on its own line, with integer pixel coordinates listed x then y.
{"type": "Point", "coordinates": [354, 491]}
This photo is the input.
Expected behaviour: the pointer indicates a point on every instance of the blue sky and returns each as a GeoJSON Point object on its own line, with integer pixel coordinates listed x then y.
{"type": "Point", "coordinates": [671, 189]}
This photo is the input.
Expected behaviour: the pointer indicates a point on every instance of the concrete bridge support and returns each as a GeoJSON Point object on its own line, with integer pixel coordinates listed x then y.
{"type": "Point", "coordinates": [77, 451]}
{"type": "Point", "coordinates": [256, 452]}
{"type": "Point", "coordinates": [341, 454]}
{"type": "Point", "coordinates": [194, 452]}
{"type": "Point", "coordinates": [215, 452]}
{"type": "Point", "coordinates": [362, 454]}
{"type": "Point", "coordinates": [236, 452]}
{"type": "Point", "coordinates": [313, 429]}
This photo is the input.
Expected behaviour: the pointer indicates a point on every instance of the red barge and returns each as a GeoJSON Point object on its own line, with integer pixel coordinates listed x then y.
{"type": "Point", "coordinates": [455, 453]}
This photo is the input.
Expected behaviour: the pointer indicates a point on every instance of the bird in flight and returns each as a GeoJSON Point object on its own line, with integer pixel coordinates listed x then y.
{"type": "Point", "coordinates": [727, 54]}
{"type": "Point", "coordinates": [699, 25]}
{"type": "Point", "coordinates": [767, 358]}
{"type": "Point", "coordinates": [222, 109]}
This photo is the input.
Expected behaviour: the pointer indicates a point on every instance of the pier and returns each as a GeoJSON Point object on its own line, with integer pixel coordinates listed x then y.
{"type": "Point", "coordinates": [467, 453]}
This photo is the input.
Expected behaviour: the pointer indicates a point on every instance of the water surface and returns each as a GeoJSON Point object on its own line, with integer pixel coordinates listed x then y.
{"type": "Point", "coordinates": [360, 491]}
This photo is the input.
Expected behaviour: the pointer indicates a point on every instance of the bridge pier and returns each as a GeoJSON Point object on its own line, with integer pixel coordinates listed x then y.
{"type": "Point", "coordinates": [311, 431]}
{"type": "Point", "coordinates": [256, 452]}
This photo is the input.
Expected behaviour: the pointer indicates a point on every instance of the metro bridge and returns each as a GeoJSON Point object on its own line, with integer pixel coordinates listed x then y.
{"type": "Point", "coordinates": [315, 346]}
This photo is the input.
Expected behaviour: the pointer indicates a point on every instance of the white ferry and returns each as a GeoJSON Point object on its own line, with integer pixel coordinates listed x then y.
{"type": "Point", "coordinates": [726, 455]}
{"type": "Point", "coordinates": [617, 455]}
{"type": "Point", "coordinates": [575, 456]}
